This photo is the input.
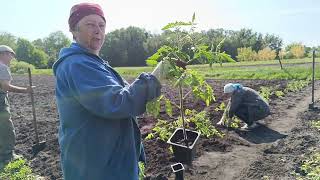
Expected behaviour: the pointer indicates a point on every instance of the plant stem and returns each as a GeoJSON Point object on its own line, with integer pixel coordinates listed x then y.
{"type": "Point", "coordinates": [182, 114]}
{"type": "Point", "coordinates": [177, 106]}
{"type": "Point", "coordinates": [186, 95]}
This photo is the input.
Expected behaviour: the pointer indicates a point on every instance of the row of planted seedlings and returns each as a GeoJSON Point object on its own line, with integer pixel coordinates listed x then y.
{"type": "Point", "coordinates": [292, 86]}
{"type": "Point", "coordinates": [183, 134]}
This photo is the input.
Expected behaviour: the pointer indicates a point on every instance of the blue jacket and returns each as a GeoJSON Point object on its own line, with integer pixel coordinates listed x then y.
{"type": "Point", "coordinates": [98, 134]}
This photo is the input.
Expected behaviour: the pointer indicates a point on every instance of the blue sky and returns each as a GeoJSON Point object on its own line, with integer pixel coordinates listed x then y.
{"type": "Point", "coordinates": [292, 20]}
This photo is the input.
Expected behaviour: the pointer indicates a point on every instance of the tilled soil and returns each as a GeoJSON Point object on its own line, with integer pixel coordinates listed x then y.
{"type": "Point", "coordinates": [239, 155]}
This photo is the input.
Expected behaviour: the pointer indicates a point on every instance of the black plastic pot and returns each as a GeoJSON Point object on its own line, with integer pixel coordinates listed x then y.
{"type": "Point", "coordinates": [178, 170]}
{"type": "Point", "coordinates": [182, 152]}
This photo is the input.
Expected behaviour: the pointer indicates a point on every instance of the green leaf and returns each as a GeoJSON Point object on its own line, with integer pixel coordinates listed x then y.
{"type": "Point", "coordinates": [218, 48]}
{"type": "Point", "coordinates": [193, 17]}
{"type": "Point", "coordinates": [153, 107]}
{"type": "Point", "coordinates": [168, 107]}
{"type": "Point", "coordinates": [226, 57]}
{"type": "Point", "coordinates": [176, 24]}
{"type": "Point", "coordinates": [159, 55]}
{"type": "Point", "coordinates": [150, 136]}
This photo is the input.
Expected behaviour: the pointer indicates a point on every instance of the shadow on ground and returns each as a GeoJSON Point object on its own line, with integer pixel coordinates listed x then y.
{"type": "Point", "coordinates": [261, 134]}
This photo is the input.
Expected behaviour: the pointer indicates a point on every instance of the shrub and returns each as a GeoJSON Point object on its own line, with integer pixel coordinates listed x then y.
{"type": "Point", "coordinates": [266, 54]}
{"type": "Point", "coordinates": [20, 67]}
{"type": "Point", "coordinates": [246, 54]}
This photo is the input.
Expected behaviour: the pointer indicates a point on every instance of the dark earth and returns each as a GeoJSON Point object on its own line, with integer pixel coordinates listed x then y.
{"type": "Point", "coordinates": [273, 150]}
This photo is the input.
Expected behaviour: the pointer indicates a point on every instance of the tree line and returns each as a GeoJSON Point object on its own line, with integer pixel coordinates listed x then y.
{"type": "Point", "coordinates": [133, 45]}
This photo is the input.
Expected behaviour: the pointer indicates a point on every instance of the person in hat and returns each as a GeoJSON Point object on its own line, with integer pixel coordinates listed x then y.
{"type": "Point", "coordinates": [7, 132]}
{"type": "Point", "coordinates": [246, 104]}
{"type": "Point", "coordinates": [99, 136]}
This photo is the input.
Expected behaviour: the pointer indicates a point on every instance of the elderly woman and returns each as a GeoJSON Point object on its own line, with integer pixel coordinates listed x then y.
{"type": "Point", "coordinates": [246, 104]}
{"type": "Point", "coordinates": [98, 135]}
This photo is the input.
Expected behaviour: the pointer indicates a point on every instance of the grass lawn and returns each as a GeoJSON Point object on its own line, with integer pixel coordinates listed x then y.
{"type": "Point", "coordinates": [239, 70]}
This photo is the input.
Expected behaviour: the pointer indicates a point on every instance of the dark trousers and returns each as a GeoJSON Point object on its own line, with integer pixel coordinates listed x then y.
{"type": "Point", "coordinates": [250, 114]}
{"type": "Point", "coordinates": [7, 132]}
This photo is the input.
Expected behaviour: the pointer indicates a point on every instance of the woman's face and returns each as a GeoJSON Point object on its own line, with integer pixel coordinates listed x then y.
{"type": "Point", "coordinates": [90, 33]}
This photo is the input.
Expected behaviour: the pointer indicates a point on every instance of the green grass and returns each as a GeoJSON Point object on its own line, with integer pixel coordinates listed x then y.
{"type": "Point", "coordinates": [42, 72]}
{"type": "Point", "coordinates": [268, 62]}
{"type": "Point", "coordinates": [239, 70]}
{"type": "Point", "coordinates": [262, 72]}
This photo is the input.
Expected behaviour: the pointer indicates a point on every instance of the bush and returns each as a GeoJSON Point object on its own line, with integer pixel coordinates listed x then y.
{"type": "Point", "coordinates": [266, 54]}
{"type": "Point", "coordinates": [246, 54]}
{"type": "Point", "coordinates": [20, 67]}
{"type": "Point", "coordinates": [297, 50]}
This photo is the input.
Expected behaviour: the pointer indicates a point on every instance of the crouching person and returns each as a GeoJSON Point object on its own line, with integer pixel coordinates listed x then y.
{"type": "Point", "coordinates": [246, 104]}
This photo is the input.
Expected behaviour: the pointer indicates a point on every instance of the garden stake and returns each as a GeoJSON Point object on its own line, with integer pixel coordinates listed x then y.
{"type": "Point", "coordinates": [182, 115]}
{"type": "Point", "coordinates": [311, 106]}
{"type": "Point", "coordinates": [39, 146]}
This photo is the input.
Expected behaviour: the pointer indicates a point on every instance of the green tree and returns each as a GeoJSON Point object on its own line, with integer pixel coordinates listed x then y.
{"type": "Point", "coordinates": [53, 44]}
{"type": "Point", "coordinates": [8, 39]}
{"type": "Point", "coordinates": [28, 53]}
{"type": "Point", "coordinates": [24, 50]}
{"type": "Point", "coordinates": [40, 58]}
{"type": "Point", "coordinates": [272, 41]}
{"type": "Point", "coordinates": [125, 47]}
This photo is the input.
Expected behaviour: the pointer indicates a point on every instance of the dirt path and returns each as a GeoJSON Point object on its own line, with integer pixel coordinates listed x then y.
{"type": "Point", "coordinates": [236, 163]}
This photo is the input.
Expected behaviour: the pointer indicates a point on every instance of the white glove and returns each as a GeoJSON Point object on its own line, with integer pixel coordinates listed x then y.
{"type": "Point", "coordinates": [161, 71]}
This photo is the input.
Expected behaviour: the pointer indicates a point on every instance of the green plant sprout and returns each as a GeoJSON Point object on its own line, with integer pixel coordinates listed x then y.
{"type": "Point", "coordinates": [17, 170]}
{"type": "Point", "coordinates": [316, 124]}
{"type": "Point", "coordinates": [221, 107]}
{"type": "Point", "coordinates": [310, 167]}
{"type": "Point", "coordinates": [141, 171]}
{"type": "Point", "coordinates": [233, 122]}
{"type": "Point", "coordinates": [279, 94]}
{"type": "Point", "coordinates": [295, 86]}
{"type": "Point", "coordinates": [265, 92]}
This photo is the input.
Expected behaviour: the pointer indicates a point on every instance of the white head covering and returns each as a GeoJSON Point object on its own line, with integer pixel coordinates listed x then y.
{"type": "Point", "coordinates": [228, 88]}
{"type": "Point", "coordinates": [4, 48]}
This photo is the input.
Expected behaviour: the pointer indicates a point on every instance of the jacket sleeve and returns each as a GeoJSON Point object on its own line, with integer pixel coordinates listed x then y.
{"type": "Point", "coordinates": [98, 91]}
{"type": "Point", "coordinates": [234, 103]}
